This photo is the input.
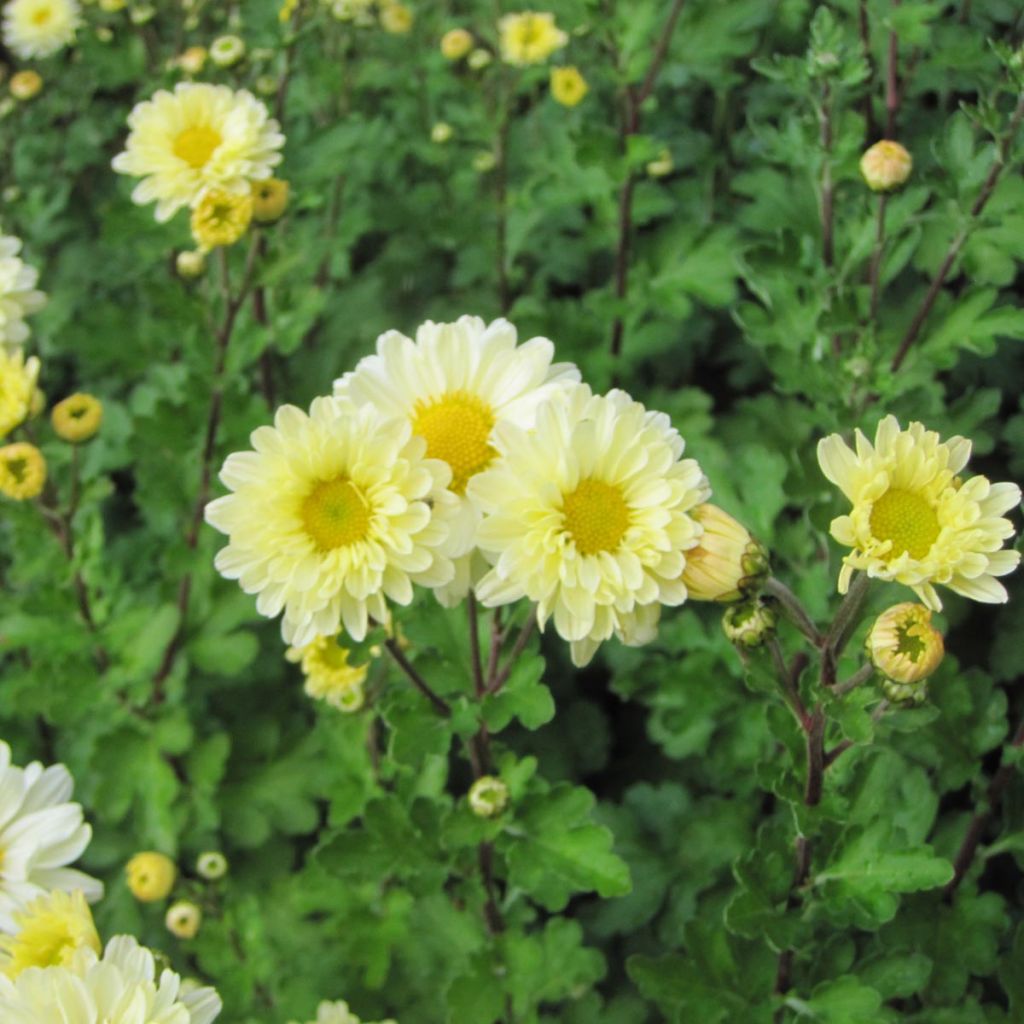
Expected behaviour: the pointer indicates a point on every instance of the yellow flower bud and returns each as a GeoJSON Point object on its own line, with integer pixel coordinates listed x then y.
{"type": "Point", "coordinates": [269, 200]}
{"type": "Point", "coordinates": [190, 263]}
{"type": "Point", "coordinates": [906, 648]}
{"type": "Point", "coordinates": [193, 60]}
{"type": "Point", "coordinates": [749, 624]}
{"type": "Point", "coordinates": [183, 919]}
{"type": "Point", "coordinates": [886, 166]}
{"type": "Point", "coordinates": [662, 166]}
{"type": "Point", "coordinates": [22, 471]}
{"type": "Point", "coordinates": [77, 417]}
{"type": "Point", "coordinates": [25, 84]}
{"type": "Point", "coordinates": [456, 44]}
{"type": "Point", "coordinates": [488, 796]}
{"type": "Point", "coordinates": [568, 86]}
{"type": "Point", "coordinates": [728, 563]}
{"type": "Point", "coordinates": [211, 865]}
{"type": "Point", "coordinates": [151, 876]}
{"type": "Point", "coordinates": [479, 59]}
{"type": "Point", "coordinates": [221, 218]}
{"type": "Point", "coordinates": [441, 132]}
{"type": "Point", "coordinates": [395, 18]}
{"type": "Point", "coordinates": [484, 161]}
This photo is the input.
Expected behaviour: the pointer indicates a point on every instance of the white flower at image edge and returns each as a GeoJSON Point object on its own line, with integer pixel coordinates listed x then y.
{"type": "Point", "coordinates": [122, 987]}
{"type": "Point", "coordinates": [41, 832]}
{"type": "Point", "coordinates": [18, 293]}
{"type": "Point", "coordinates": [39, 28]}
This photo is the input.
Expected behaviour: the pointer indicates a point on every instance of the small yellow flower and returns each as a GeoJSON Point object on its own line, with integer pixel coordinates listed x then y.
{"type": "Point", "coordinates": [488, 797]}
{"type": "Point", "coordinates": [221, 218]}
{"type": "Point", "coordinates": [50, 930]}
{"type": "Point", "coordinates": [568, 86]}
{"type": "Point", "coordinates": [329, 676]}
{"type": "Point", "coordinates": [22, 471]}
{"type": "Point", "coordinates": [441, 132]}
{"type": "Point", "coordinates": [905, 647]}
{"type": "Point", "coordinates": [662, 166]}
{"type": "Point", "coordinates": [25, 84]}
{"type": "Point", "coordinates": [151, 876]}
{"type": "Point", "coordinates": [226, 51]}
{"type": "Point", "coordinates": [529, 37]}
{"type": "Point", "coordinates": [190, 263]}
{"type": "Point", "coordinates": [193, 60]}
{"type": "Point", "coordinates": [728, 563]}
{"type": "Point", "coordinates": [18, 377]}
{"type": "Point", "coordinates": [886, 166]}
{"type": "Point", "coordinates": [456, 43]}
{"type": "Point", "coordinates": [183, 919]}
{"type": "Point", "coordinates": [396, 18]}
{"type": "Point", "coordinates": [211, 865]}
{"type": "Point", "coordinates": [77, 417]}
{"type": "Point", "coordinates": [269, 200]}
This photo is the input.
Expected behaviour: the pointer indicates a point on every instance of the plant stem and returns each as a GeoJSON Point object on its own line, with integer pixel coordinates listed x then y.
{"type": "Point", "coordinates": [789, 679]}
{"type": "Point", "coordinates": [501, 677]}
{"type": "Point", "coordinates": [792, 609]}
{"type": "Point", "coordinates": [862, 675]}
{"type": "Point", "coordinates": [396, 652]}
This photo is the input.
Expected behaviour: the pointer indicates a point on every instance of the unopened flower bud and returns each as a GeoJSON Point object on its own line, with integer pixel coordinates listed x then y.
{"type": "Point", "coordinates": [479, 59]}
{"type": "Point", "coordinates": [662, 166]}
{"type": "Point", "coordinates": [441, 132]}
{"type": "Point", "coordinates": [749, 624]}
{"type": "Point", "coordinates": [22, 471]}
{"type": "Point", "coordinates": [183, 919]}
{"type": "Point", "coordinates": [226, 51]}
{"type": "Point", "coordinates": [488, 796]}
{"type": "Point", "coordinates": [190, 263]}
{"type": "Point", "coordinates": [25, 84]}
{"type": "Point", "coordinates": [484, 161]}
{"type": "Point", "coordinates": [77, 418]}
{"type": "Point", "coordinates": [395, 18]}
{"type": "Point", "coordinates": [456, 43]}
{"type": "Point", "coordinates": [151, 876]}
{"type": "Point", "coordinates": [192, 60]}
{"type": "Point", "coordinates": [211, 865]}
{"type": "Point", "coordinates": [885, 166]}
{"type": "Point", "coordinates": [269, 200]}
{"type": "Point", "coordinates": [727, 564]}
{"type": "Point", "coordinates": [141, 14]}
{"type": "Point", "coordinates": [906, 648]}
{"type": "Point", "coordinates": [267, 85]}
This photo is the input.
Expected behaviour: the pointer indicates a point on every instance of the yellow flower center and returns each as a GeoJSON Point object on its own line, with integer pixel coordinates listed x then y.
{"type": "Point", "coordinates": [41, 16]}
{"type": "Point", "coordinates": [196, 145]}
{"type": "Point", "coordinates": [456, 427]}
{"type": "Point", "coordinates": [335, 514]}
{"type": "Point", "coordinates": [908, 520]}
{"type": "Point", "coordinates": [596, 516]}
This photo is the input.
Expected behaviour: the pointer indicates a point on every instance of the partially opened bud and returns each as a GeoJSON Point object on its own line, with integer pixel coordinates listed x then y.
{"type": "Point", "coordinates": [749, 624]}
{"type": "Point", "coordinates": [456, 43]}
{"type": "Point", "coordinates": [151, 876]}
{"type": "Point", "coordinates": [727, 564]}
{"type": "Point", "coordinates": [885, 166]}
{"type": "Point", "coordinates": [183, 919]}
{"type": "Point", "coordinates": [906, 648]}
{"type": "Point", "coordinates": [488, 796]}
{"type": "Point", "coordinates": [22, 471]}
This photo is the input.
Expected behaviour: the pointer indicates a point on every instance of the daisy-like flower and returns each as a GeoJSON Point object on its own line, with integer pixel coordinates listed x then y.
{"type": "Point", "coordinates": [41, 832]}
{"type": "Point", "coordinates": [455, 384]}
{"type": "Point", "coordinates": [49, 932]}
{"type": "Point", "coordinates": [18, 377]}
{"type": "Point", "coordinates": [529, 37]}
{"type": "Point", "coordinates": [121, 987]}
{"type": "Point", "coordinates": [329, 676]}
{"type": "Point", "coordinates": [197, 138]}
{"type": "Point", "coordinates": [39, 28]}
{"type": "Point", "coordinates": [19, 296]}
{"type": "Point", "coordinates": [588, 515]}
{"type": "Point", "coordinates": [568, 86]}
{"type": "Point", "coordinates": [914, 519]}
{"type": "Point", "coordinates": [332, 514]}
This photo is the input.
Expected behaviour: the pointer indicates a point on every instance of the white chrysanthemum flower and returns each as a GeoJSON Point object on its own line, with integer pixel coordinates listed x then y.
{"type": "Point", "coordinates": [588, 516]}
{"type": "Point", "coordinates": [456, 384]}
{"type": "Point", "coordinates": [914, 520]}
{"type": "Point", "coordinates": [122, 987]}
{"type": "Point", "coordinates": [39, 28]}
{"type": "Point", "coordinates": [18, 293]}
{"type": "Point", "coordinates": [41, 832]}
{"type": "Point", "coordinates": [197, 138]}
{"type": "Point", "coordinates": [337, 1013]}
{"type": "Point", "coordinates": [331, 514]}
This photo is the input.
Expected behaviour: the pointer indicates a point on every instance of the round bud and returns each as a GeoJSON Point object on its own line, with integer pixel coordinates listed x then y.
{"type": "Point", "coordinates": [484, 162]}
{"type": "Point", "coordinates": [441, 132]}
{"type": "Point", "coordinates": [727, 564]}
{"type": "Point", "coordinates": [456, 43]}
{"type": "Point", "coordinates": [749, 624]}
{"type": "Point", "coordinates": [25, 84]}
{"type": "Point", "coordinates": [151, 876]}
{"type": "Point", "coordinates": [886, 166]}
{"type": "Point", "coordinates": [22, 471]}
{"type": "Point", "coordinates": [183, 919]}
{"type": "Point", "coordinates": [190, 263]}
{"type": "Point", "coordinates": [269, 200]}
{"type": "Point", "coordinates": [192, 60]}
{"type": "Point", "coordinates": [662, 166]}
{"type": "Point", "coordinates": [226, 51]}
{"type": "Point", "coordinates": [77, 417]}
{"type": "Point", "coordinates": [479, 59]}
{"type": "Point", "coordinates": [488, 796]}
{"type": "Point", "coordinates": [906, 649]}
{"type": "Point", "coordinates": [211, 865]}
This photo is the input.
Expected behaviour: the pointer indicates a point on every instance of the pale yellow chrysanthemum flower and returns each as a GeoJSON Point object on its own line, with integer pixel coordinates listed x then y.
{"type": "Point", "coordinates": [49, 931]}
{"type": "Point", "coordinates": [332, 515]}
{"type": "Point", "coordinates": [914, 520]}
{"type": "Point", "coordinates": [22, 471]}
{"type": "Point", "coordinates": [456, 43]}
{"type": "Point", "coordinates": [18, 377]}
{"type": "Point", "coordinates": [329, 676]}
{"type": "Point", "coordinates": [197, 138]}
{"type": "Point", "coordinates": [904, 645]}
{"type": "Point", "coordinates": [39, 28]}
{"type": "Point", "coordinates": [568, 86]}
{"type": "Point", "coordinates": [588, 515]}
{"type": "Point", "coordinates": [454, 385]}
{"type": "Point", "coordinates": [123, 986]}
{"type": "Point", "coordinates": [529, 37]}
{"type": "Point", "coordinates": [19, 296]}
{"type": "Point", "coordinates": [221, 218]}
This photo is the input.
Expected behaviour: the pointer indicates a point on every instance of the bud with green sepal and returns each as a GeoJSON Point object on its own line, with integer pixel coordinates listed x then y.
{"type": "Point", "coordinates": [750, 624]}
{"type": "Point", "coordinates": [728, 564]}
{"type": "Point", "coordinates": [906, 649]}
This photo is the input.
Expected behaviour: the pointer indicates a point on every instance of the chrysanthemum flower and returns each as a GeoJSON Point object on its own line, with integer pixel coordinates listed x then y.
{"type": "Point", "coordinates": [49, 931]}
{"type": "Point", "coordinates": [395, 18]}
{"type": "Point", "coordinates": [198, 137]}
{"type": "Point", "coordinates": [332, 514]}
{"type": "Point", "coordinates": [122, 987]}
{"type": "Point", "coordinates": [529, 37]}
{"type": "Point", "coordinates": [183, 919]}
{"type": "Point", "coordinates": [221, 218]}
{"type": "Point", "coordinates": [226, 51]}
{"type": "Point", "coordinates": [19, 296]}
{"type": "Point", "coordinates": [41, 832]}
{"type": "Point", "coordinates": [77, 417]}
{"type": "Point", "coordinates": [329, 676]}
{"type": "Point", "coordinates": [18, 378]}
{"type": "Point", "coordinates": [568, 86]}
{"type": "Point", "coordinates": [38, 28]}
{"type": "Point", "coordinates": [728, 563]}
{"type": "Point", "coordinates": [914, 520]}
{"type": "Point", "coordinates": [588, 516]}
{"type": "Point", "coordinates": [454, 385]}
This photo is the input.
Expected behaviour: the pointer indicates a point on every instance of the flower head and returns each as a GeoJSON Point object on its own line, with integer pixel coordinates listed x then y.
{"type": "Point", "coordinates": [329, 676]}
{"type": "Point", "coordinates": [455, 385]}
{"type": "Point", "coordinates": [19, 296]}
{"type": "Point", "coordinates": [22, 471]}
{"type": "Point", "coordinates": [190, 263]}
{"type": "Point", "coordinates": [529, 37]}
{"type": "Point", "coordinates": [588, 516]}
{"type": "Point", "coordinates": [728, 563]}
{"type": "Point", "coordinates": [488, 796]}
{"type": "Point", "coordinates": [269, 200]}
{"type": "Point", "coordinates": [338, 1013]}
{"type": "Point", "coordinates": [662, 166]}
{"type": "Point", "coordinates": [24, 85]}
{"type": "Point", "coordinates": [151, 876]}
{"type": "Point", "coordinates": [456, 43]}
{"type": "Point", "coordinates": [197, 138]}
{"type": "Point", "coordinates": [441, 132]}
{"type": "Point", "coordinates": [479, 59]}
{"type": "Point", "coordinates": [221, 218]}
{"type": "Point", "coordinates": [77, 417]}
{"type": "Point", "coordinates": [41, 832]}
{"type": "Point", "coordinates": [49, 931]}
{"type": "Point", "coordinates": [183, 919]}
{"type": "Point", "coordinates": [18, 378]}
{"type": "Point", "coordinates": [914, 519]}
{"type": "Point", "coordinates": [332, 514]}
{"type": "Point", "coordinates": [39, 28]}
{"type": "Point", "coordinates": [885, 166]}
{"type": "Point", "coordinates": [568, 86]}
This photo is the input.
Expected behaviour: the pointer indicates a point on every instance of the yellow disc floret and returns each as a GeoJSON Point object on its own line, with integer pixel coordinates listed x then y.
{"type": "Point", "coordinates": [22, 471]}
{"type": "Point", "coordinates": [196, 144]}
{"type": "Point", "coordinates": [50, 930]}
{"type": "Point", "coordinates": [77, 417]}
{"type": "Point", "coordinates": [907, 519]}
{"type": "Point", "coordinates": [596, 516]}
{"type": "Point", "coordinates": [151, 876]}
{"type": "Point", "coordinates": [456, 427]}
{"type": "Point", "coordinates": [335, 514]}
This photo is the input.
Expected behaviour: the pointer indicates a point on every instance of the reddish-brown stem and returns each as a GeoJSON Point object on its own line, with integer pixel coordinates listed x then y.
{"type": "Point", "coordinates": [501, 677]}
{"type": "Point", "coordinates": [396, 652]}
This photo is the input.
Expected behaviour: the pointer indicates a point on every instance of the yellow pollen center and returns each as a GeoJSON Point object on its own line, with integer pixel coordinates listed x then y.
{"type": "Point", "coordinates": [196, 145]}
{"type": "Point", "coordinates": [42, 16]}
{"type": "Point", "coordinates": [335, 514]}
{"type": "Point", "coordinates": [908, 520]}
{"type": "Point", "coordinates": [596, 516]}
{"type": "Point", "coordinates": [456, 427]}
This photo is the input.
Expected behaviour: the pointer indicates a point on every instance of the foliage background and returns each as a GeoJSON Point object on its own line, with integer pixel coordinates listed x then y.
{"type": "Point", "coordinates": [645, 866]}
